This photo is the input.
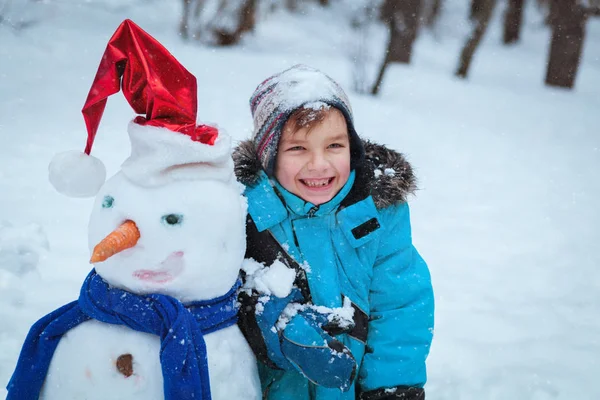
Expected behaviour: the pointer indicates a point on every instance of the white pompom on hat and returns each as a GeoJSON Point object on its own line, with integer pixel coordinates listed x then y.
{"type": "Point", "coordinates": [76, 174]}
{"type": "Point", "coordinates": [166, 143]}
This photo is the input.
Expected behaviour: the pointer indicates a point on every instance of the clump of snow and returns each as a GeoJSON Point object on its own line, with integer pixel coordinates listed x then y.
{"type": "Point", "coordinates": [302, 85]}
{"type": "Point", "coordinates": [342, 317]}
{"type": "Point", "coordinates": [260, 305]}
{"type": "Point", "coordinates": [21, 247]}
{"type": "Point", "coordinates": [316, 106]}
{"type": "Point", "coordinates": [305, 266]}
{"type": "Point", "coordinates": [12, 288]}
{"type": "Point", "coordinates": [387, 172]}
{"type": "Point", "coordinates": [76, 174]}
{"type": "Point", "coordinates": [276, 279]}
{"type": "Point", "coordinates": [289, 312]}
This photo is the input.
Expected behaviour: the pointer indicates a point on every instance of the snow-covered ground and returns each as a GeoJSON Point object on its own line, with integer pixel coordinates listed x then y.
{"type": "Point", "coordinates": [507, 215]}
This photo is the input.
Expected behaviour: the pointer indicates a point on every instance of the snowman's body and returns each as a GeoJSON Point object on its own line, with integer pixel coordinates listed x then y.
{"type": "Point", "coordinates": [196, 259]}
{"type": "Point", "coordinates": [84, 365]}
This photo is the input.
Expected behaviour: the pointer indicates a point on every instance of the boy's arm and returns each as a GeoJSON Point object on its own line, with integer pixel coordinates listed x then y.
{"type": "Point", "coordinates": [401, 315]}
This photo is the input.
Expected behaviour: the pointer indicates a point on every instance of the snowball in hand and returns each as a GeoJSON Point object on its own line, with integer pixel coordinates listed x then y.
{"type": "Point", "coordinates": [76, 174]}
{"type": "Point", "coordinates": [277, 279]}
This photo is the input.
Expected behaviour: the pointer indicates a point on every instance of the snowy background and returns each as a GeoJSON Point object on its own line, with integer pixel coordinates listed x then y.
{"type": "Point", "coordinates": [509, 170]}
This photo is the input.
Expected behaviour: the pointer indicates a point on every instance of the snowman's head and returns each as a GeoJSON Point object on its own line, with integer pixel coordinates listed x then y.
{"type": "Point", "coordinates": [173, 220]}
{"type": "Point", "coordinates": [190, 238]}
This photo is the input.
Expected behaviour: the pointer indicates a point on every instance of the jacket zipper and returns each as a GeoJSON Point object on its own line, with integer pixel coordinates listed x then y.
{"type": "Point", "coordinates": [312, 211]}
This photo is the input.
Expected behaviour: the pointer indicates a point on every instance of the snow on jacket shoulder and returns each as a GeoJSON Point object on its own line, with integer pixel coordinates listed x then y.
{"type": "Point", "coordinates": [359, 246]}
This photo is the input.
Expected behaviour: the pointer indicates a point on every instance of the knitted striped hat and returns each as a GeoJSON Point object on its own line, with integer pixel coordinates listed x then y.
{"type": "Point", "coordinates": [276, 99]}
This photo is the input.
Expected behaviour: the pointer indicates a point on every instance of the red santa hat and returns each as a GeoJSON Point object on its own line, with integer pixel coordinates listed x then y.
{"type": "Point", "coordinates": [166, 142]}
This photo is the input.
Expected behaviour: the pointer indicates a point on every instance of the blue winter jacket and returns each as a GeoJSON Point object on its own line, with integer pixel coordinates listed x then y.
{"type": "Point", "coordinates": [357, 245]}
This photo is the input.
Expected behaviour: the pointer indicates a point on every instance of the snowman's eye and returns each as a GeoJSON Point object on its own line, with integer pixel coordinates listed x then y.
{"type": "Point", "coordinates": [172, 219]}
{"type": "Point", "coordinates": [108, 202]}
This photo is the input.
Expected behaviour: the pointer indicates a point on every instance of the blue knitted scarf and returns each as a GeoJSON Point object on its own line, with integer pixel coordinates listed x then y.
{"type": "Point", "coordinates": [180, 327]}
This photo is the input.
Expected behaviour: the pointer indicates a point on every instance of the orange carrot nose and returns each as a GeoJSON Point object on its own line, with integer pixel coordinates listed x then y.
{"type": "Point", "coordinates": [124, 237]}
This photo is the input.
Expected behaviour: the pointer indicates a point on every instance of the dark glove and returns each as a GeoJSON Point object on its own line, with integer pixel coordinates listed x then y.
{"type": "Point", "coordinates": [303, 344]}
{"type": "Point", "coordinates": [397, 393]}
{"type": "Point", "coordinates": [266, 319]}
{"type": "Point", "coordinates": [316, 354]}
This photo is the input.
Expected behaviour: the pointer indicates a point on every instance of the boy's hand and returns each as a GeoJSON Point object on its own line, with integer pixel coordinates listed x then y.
{"type": "Point", "coordinates": [301, 343]}
{"type": "Point", "coordinates": [267, 316]}
{"type": "Point", "coordinates": [319, 356]}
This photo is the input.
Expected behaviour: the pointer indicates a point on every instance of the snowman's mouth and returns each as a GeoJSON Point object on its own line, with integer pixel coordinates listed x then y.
{"type": "Point", "coordinates": [168, 270]}
{"type": "Point", "coordinates": [153, 276]}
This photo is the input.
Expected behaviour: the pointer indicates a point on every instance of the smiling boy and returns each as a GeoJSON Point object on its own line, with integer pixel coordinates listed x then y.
{"type": "Point", "coordinates": [333, 208]}
{"type": "Point", "coordinates": [313, 158]}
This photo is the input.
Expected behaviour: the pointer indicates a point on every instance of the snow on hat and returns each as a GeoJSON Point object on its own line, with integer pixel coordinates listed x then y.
{"type": "Point", "coordinates": [166, 143]}
{"type": "Point", "coordinates": [276, 99]}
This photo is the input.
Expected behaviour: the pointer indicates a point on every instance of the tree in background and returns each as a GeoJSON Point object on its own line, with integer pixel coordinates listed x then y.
{"type": "Point", "coordinates": [218, 22]}
{"type": "Point", "coordinates": [191, 11]}
{"type": "Point", "coordinates": [294, 5]}
{"type": "Point", "coordinates": [593, 8]}
{"type": "Point", "coordinates": [363, 18]}
{"type": "Point", "coordinates": [480, 24]}
{"type": "Point", "coordinates": [402, 19]}
{"type": "Point", "coordinates": [567, 19]}
{"type": "Point", "coordinates": [476, 6]}
{"type": "Point", "coordinates": [513, 19]}
{"type": "Point", "coordinates": [431, 12]}
{"type": "Point", "coordinates": [291, 5]}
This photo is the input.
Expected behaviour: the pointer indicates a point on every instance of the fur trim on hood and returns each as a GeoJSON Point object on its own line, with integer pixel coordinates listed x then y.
{"type": "Point", "coordinates": [386, 174]}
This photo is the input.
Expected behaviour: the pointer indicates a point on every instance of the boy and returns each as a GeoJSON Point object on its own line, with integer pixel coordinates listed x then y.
{"type": "Point", "coordinates": [333, 208]}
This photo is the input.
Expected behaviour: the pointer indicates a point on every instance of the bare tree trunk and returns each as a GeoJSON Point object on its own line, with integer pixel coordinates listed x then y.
{"type": "Point", "coordinates": [512, 21]}
{"type": "Point", "coordinates": [543, 6]}
{"type": "Point", "coordinates": [377, 85]}
{"type": "Point", "coordinates": [476, 6]}
{"type": "Point", "coordinates": [402, 18]}
{"type": "Point", "coordinates": [291, 5]}
{"type": "Point", "coordinates": [480, 26]}
{"type": "Point", "coordinates": [362, 20]}
{"type": "Point", "coordinates": [433, 13]}
{"type": "Point", "coordinates": [593, 8]}
{"type": "Point", "coordinates": [198, 9]}
{"type": "Point", "coordinates": [225, 24]}
{"type": "Point", "coordinates": [568, 20]}
{"type": "Point", "coordinates": [248, 17]}
{"type": "Point", "coordinates": [185, 18]}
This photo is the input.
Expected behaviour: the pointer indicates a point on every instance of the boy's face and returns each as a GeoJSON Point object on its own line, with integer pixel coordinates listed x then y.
{"type": "Point", "coordinates": [314, 163]}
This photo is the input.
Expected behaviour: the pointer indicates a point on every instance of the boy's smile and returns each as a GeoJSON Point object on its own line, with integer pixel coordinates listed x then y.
{"type": "Point", "coordinates": [317, 183]}
{"type": "Point", "coordinates": [314, 162]}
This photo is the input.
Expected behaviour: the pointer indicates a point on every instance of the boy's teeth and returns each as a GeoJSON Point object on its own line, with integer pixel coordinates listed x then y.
{"type": "Point", "coordinates": [316, 182]}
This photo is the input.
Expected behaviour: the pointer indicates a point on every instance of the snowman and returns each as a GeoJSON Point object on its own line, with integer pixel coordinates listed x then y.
{"type": "Point", "coordinates": [156, 316]}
